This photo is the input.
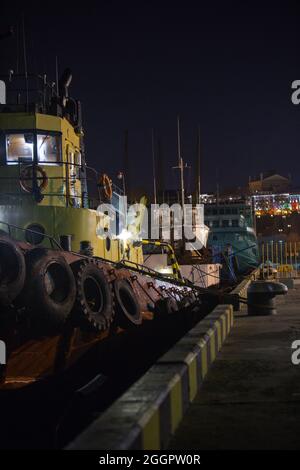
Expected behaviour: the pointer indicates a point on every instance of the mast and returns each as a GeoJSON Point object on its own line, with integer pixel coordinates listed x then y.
{"type": "Point", "coordinates": [181, 168]}
{"type": "Point", "coordinates": [126, 174]}
{"type": "Point", "coordinates": [56, 75]}
{"type": "Point", "coordinates": [198, 167]}
{"type": "Point", "coordinates": [160, 171]}
{"type": "Point", "coordinates": [25, 62]}
{"type": "Point", "coordinates": [217, 188]}
{"type": "Point", "coordinates": [180, 164]}
{"type": "Point", "coordinates": [154, 169]}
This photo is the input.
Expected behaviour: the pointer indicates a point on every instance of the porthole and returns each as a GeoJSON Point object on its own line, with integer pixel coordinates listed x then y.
{"type": "Point", "coordinates": [108, 243]}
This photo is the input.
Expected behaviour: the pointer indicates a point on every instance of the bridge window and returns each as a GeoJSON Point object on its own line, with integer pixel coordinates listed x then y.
{"type": "Point", "coordinates": [19, 147]}
{"type": "Point", "coordinates": [49, 148]}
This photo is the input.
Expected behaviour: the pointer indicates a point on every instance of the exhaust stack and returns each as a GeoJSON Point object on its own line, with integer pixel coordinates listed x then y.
{"type": "Point", "coordinates": [63, 86]}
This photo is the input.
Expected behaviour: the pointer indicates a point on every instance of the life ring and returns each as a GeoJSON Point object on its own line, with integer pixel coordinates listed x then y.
{"type": "Point", "coordinates": [27, 175]}
{"type": "Point", "coordinates": [105, 184]}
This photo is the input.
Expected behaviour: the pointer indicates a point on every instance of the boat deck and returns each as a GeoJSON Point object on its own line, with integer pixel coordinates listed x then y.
{"type": "Point", "coordinates": [250, 398]}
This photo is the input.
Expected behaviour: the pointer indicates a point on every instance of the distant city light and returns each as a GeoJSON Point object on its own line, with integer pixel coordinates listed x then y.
{"type": "Point", "coordinates": [276, 204]}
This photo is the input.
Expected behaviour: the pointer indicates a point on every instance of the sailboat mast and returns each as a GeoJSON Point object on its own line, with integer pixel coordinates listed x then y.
{"type": "Point", "coordinates": [153, 168]}
{"type": "Point", "coordinates": [198, 168]}
{"type": "Point", "coordinates": [180, 164]}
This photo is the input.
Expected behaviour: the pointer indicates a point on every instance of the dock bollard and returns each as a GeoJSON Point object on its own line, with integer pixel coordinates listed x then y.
{"type": "Point", "coordinates": [66, 242]}
{"type": "Point", "coordinates": [261, 297]}
{"type": "Point", "coordinates": [86, 248]}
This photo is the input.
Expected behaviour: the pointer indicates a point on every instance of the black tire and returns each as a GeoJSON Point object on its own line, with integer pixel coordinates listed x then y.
{"type": "Point", "coordinates": [193, 297]}
{"type": "Point", "coordinates": [128, 312]}
{"type": "Point", "coordinates": [186, 302]}
{"type": "Point", "coordinates": [166, 306]}
{"type": "Point", "coordinates": [49, 291]}
{"type": "Point", "coordinates": [94, 300]}
{"type": "Point", "coordinates": [12, 271]}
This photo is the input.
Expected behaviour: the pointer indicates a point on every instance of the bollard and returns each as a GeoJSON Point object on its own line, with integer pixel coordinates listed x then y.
{"type": "Point", "coordinates": [66, 242]}
{"type": "Point", "coordinates": [261, 297]}
{"type": "Point", "coordinates": [86, 248]}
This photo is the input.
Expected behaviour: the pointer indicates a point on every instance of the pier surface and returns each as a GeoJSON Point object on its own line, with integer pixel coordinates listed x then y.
{"type": "Point", "coordinates": [250, 398]}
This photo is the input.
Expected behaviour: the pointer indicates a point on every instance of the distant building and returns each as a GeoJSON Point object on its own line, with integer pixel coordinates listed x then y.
{"type": "Point", "coordinates": [269, 182]}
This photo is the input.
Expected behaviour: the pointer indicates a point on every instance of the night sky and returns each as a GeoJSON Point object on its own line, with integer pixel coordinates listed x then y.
{"type": "Point", "coordinates": [226, 67]}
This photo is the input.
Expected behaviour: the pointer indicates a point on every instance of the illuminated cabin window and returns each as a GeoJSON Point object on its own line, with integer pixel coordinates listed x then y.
{"type": "Point", "coordinates": [19, 148]}
{"type": "Point", "coordinates": [49, 148]}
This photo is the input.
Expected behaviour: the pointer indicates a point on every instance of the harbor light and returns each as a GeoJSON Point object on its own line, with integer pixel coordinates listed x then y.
{"type": "Point", "coordinates": [167, 270]}
{"type": "Point", "coordinates": [124, 235]}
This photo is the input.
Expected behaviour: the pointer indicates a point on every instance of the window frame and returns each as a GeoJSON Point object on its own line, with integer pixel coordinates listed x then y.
{"type": "Point", "coordinates": [53, 134]}
{"type": "Point", "coordinates": [3, 147]}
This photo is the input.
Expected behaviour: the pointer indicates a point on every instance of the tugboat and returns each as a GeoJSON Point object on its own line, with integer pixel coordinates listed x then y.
{"type": "Point", "coordinates": [65, 282]}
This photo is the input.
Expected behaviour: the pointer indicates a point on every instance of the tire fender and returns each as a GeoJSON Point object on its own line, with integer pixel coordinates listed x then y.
{"type": "Point", "coordinates": [166, 306]}
{"type": "Point", "coordinates": [49, 291]}
{"type": "Point", "coordinates": [94, 299]}
{"type": "Point", "coordinates": [128, 311]}
{"type": "Point", "coordinates": [12, 271]}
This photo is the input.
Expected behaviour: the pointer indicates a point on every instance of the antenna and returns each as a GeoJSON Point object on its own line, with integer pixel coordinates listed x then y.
{"type": "Point", "coordinates": [160, 170]}
{"type": "Point", "coordinates": [56, 75]}
{"type": "Point", "coordinates": [198, 166]}
{"type": "Point", "coordinates": [25, 61]}
{"type": "Point", "coordinates": [18, 47]}
{"type": "Point", "coordinates": [126, 170]}
{"type": "Point", "coordinates": [153, 168]}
